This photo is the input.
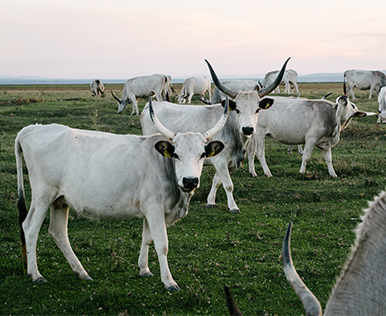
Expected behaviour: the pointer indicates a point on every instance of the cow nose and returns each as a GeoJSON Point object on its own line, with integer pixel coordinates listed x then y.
{"type": "Point", "coordinates": [190, 183]}
{"type": "Point", "coordinates": [248, 130]}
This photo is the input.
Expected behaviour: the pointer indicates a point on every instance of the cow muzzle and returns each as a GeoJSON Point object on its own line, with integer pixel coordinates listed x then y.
{"type": "Point", "coordinates": [248, 130]}
{"type": "Point", "coordinates": [190, 184]}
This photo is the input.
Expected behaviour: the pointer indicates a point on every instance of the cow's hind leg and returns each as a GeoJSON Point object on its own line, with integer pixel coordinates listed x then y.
{"type": "Point", "coordinates": [58, 231]}
{"type": "Point", "coordinates": [143, 256]}
{"type": "Point", "coordinates": [31, 227]}
{"type": "Point", "coordinates": [308, 148]}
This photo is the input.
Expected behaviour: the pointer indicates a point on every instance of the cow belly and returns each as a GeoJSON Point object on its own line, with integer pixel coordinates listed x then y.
{"type": "Point", "coordinates": [287, 136]}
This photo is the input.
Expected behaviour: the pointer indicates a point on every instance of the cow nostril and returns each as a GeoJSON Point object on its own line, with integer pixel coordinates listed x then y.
{"type": "Point", "coordinates": [248, 130]}
{"type": "Point", "coordinates": [190, 183]}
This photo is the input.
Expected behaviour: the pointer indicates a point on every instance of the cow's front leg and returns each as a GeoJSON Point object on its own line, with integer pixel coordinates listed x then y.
{"type": "Point", "coordinates": [328, 159]}
{"type": "Point", "coordinates": [156, 222]}
{"type": "Point", "coordinates": [259, 139]}
{"type": "Point", "coordinates": [251, 148]}
{"type": "Point", "coordinates": [135, 107]}
{"type": "Point", "coordinates": [143, 256]}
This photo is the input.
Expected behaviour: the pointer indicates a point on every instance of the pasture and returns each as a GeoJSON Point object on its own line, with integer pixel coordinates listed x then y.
{"type": "Point", "coordinates": [209, 248]}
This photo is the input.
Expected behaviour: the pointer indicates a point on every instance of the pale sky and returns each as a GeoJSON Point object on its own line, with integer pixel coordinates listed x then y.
{"type": "Point", "coordinates": [76, 39]}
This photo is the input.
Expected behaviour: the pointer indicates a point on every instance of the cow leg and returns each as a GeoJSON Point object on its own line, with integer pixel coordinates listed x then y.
{"type": "Point", "coordinates": [135, 107]}
{"type": "Point", "coordinates": [328, 159]}
{"type": "Point", "coordinates": [371, 91]}
{"type": "Point", "coordinates": [251, 148]}
{"type": "Point", "coordinates": [351, 90]}
{"type": "Point", "coordinates": [157, 227]}
{"type": "Point", "coordinates": [223, 176]}
{"type": "Point", "coordinates": [260, 152]}
{"type": "Point", "coordinates": [143, 256]}
{"type": "Point", "coordinates": [159, 98]}
{"type": "Point", "coordinates": [31, 228]}
{"type": "Point", "coordinates": [308, 148]}
{"type": "Point", "coordinates": [59, 232]}
{"type": "Point", "coordinates": [190, 97]}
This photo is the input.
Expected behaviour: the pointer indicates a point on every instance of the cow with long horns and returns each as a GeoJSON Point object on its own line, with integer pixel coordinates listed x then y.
{"type": "Point", "coordinates": [83, 170]}
{"type": "Point", "coordinates": [240, 126]}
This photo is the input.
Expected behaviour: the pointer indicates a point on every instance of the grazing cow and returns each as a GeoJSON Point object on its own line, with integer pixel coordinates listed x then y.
{"type": "Point", "coordinates": [301, 121]}
{"type": "Point", "coordinates": [97, 88]}
{"type": "Point", "coordinates": [192, 86]}
{"type": "Point", "coordinates": [364, 80]}
{"type": "Point", "coordinates": [290, 79]}
{"type": "Point", "coordinates": [234, 85]}
{"type": "Point", "coordinates": [361, 286]}
{"type": "Point", "coordinates": [142, 87]}
{"type": "Point", "coordinates": [241, 123]}
{"type": "Point", "coordinates": [85, 170]}
{"type": "Point", "coordinates": [382, 106]}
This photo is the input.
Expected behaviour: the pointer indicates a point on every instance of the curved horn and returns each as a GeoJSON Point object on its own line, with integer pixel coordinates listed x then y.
{"type": "Point", "coordinates": [220, 124]}
{"type": "Point", "coordinates": [115, 97]}
{"type": "Point", "coordinates": [310, 302]}
{"type": "Point", "coordinates": [232, 307]}
{"type": "Point", "coordinates": [162, 129]}
{"type": "Point", "coordinates": [218, 84]}
{"type": "Point", "coordinates": [174, 91]}
{"type": "Point", "coordinates": [265, 91]}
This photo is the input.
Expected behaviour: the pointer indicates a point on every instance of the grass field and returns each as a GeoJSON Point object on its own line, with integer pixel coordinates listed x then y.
{"type": "Point", "coordinates": [209, 248]}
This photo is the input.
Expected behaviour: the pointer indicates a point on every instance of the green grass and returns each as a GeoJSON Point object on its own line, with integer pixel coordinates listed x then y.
{"type": "Point", "coordinates": [210, 247]}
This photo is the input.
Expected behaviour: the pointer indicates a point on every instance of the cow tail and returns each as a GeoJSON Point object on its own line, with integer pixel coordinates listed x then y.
{"type": "Point", "coordinates": [167, 96]}
{"type": "Point", "coordinates": [21, 201]}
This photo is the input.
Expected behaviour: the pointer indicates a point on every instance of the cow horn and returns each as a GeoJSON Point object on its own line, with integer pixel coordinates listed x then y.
{"type": "Point", "coordinates": [232, 307]}
{"type": "Point", "coordinates": [218, 84]}
{"type": "Point", "coordinates": [220, 124]}
{"type": "Point", "coordinates": [265, 91]}
{"type": "Point", "coordinates": [162, 129]}
{"type": "Point", "coordinates": [174, 92]}
{"type": "Point", "coordinates": [309, 301]}
{"type": "Point", "coordinates": [115, 97]}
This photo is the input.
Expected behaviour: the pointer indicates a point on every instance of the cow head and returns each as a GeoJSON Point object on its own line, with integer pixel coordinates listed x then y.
{"type": "Point", "coordinates": [346, 110]}
{"type": "Point", "coordinates": [122, 104]}
{"type": "Point", "coordinates": [188, 150]}
{"type": "Point", "coordinates": [247, 104]}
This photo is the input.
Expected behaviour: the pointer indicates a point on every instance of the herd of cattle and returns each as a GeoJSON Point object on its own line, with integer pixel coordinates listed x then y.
{"type": "Point", "coordinates": [178, 140]}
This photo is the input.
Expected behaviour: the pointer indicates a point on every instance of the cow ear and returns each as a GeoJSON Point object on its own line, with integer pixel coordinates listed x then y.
{"type": "Point", "coordinates": [232, 104]}
{"type": "Point", "coordinates": [265, 103]}
{"type": "Point", "coordinates": [213, 148]}
{"type": "Point", "coordinates": [165, 148]}
{"type": "Point", "coordinates": [360, 114]}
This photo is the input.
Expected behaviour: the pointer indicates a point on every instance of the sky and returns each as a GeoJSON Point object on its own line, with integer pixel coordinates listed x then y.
{"type": "Point", "coordinates": [121, 39]}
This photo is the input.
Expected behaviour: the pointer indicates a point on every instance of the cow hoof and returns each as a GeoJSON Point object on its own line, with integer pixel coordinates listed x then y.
{"type": "Point", "coordinates": [210, 205]}
{"type": "Point", "coordinates": [173, 288]}
{"type": "Point", "coordinates": [87, 278]}
{"type": "Point", "coordinates": [40, 280]}
{"type": "Point", "coordinates": [235, 211]}
{"type": "Point", "coordinates": [147, 274]}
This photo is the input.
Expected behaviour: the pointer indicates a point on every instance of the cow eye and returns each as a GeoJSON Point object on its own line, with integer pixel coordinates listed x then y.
{"type": "Point", "coordinates": [257, 111]}
{"type": "Point", "coordinates": [237, 111]}
{"type": "Point", "coordinates": [203, 155]}
{"type": "Point", "coordinates": [175, 156]}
